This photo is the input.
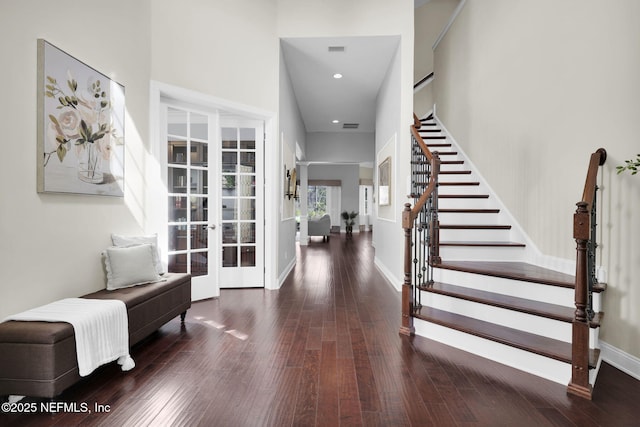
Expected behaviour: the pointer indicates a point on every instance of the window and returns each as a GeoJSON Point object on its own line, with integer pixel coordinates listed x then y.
{"type": "Point", "coordinates": [317, 201]}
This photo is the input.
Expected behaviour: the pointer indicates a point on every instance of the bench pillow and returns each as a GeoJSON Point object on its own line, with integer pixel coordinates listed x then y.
{"type": "Point", "coordinates": [151, 239]}
{"type": "Point", "coordinates": [129, 266]}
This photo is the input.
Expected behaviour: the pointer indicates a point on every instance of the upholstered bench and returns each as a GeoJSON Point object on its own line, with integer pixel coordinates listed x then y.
{"type": "Point", "coordinates": [39, 358]}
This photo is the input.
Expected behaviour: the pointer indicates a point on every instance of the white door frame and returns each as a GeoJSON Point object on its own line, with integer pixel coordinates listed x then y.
{"type": "Point", "coordinates": [154, 219]}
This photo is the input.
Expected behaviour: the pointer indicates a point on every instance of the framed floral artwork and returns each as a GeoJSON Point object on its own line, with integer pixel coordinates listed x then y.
{"type": "Point", "coordinates": [81, 115]}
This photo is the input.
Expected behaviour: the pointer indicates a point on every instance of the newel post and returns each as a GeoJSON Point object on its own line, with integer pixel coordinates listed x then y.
{"type": "Point", "coordinates": [579, 384]}
{"type": "Point", "coordinates": [407, 304]}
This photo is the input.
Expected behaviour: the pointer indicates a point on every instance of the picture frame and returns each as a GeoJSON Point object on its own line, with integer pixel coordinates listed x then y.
{"type": "Point", "coordinates": [384, 182]}
{"type": "Point", "coordinates": [81, 134]}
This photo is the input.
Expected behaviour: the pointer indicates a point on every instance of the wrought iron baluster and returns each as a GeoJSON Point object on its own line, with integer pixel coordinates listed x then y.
{"type": "Point", "coordinates": [591, 255]}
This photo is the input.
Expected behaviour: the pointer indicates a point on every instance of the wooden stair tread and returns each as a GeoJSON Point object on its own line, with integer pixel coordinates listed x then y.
{"type": "Point", "coordinates": [459, 183]}
{"type": "Point", "coordinates": [442, 144]}
{"type": "Point", "coordinates": [537, 308]}
{"type": "Point", "coordinates": [455, 173]}
{"type": "Point", "coordinates": [452, 162]}
{"type": "Point", "coordinates": [429, 130]}
{"type": "Point", "coordinates": [495, 244]}
{"type": "Point", "coordinates": [554, 349]}
{"type": "Point", "coordinates": [515, 271]}
{"type": "Point", "coordinates": [449, 184]}
{"type": "Point", "coordinates": [463, 196]}
{"type": "Point", "coordinates": [479, 211]}
{"type": "Point", "coordinates": [474, 227]}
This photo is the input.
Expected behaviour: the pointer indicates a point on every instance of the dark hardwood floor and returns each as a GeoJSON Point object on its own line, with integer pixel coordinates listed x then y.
{"type": "Point", "coordinates": [323, 350]}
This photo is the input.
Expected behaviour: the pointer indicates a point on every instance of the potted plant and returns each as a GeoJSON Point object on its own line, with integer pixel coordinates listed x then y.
{"type": "Point", "coordinates": [348, 218]}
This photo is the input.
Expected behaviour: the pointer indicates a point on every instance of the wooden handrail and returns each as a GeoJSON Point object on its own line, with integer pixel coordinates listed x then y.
{"type": "Point", "coordinates": [583, 233]}
{"type": "Point", "coordinates": [597, 159]}
{"type": "Point", "coordinates": [422, 80]}
{"type": "Point", "coordinates": [416, 122]}
{"type": "Point", "coordinates": [433, 179]}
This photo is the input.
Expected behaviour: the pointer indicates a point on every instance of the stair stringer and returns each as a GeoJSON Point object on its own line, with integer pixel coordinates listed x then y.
{"type": "Point", "coordinates": [530, 253]}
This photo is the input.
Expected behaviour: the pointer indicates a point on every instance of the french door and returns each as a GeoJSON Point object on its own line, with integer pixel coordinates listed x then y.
{"type": "Point", "coordinates": [215, 199]}
{"type": "Point", "coordinates": [191, 197]}
{"type": "Point", "coordinates": [242, 203]}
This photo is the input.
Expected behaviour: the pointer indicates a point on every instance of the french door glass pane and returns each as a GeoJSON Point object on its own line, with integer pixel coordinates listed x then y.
{"type": "Point", "coordinates": [247, 232]}
{"type": "Point", "coordinates": [199, 265]}
{"type": "Point", "coordinates": [178, 263]}
{"type": "Point", "coordinates": [177, 208]}
{"type": "Point", "coordinates": [248, 256]}
{"type": "Point", "coordinates": [230, 256]}
{"type": "Point", "coordinates": [229, 232]}
{"type": "Point", "coordinates": [229, 209]}
{"type": "Point", "coordinates": [199, 237]}
{"type": "Point", "coordinates": [229, 161]}
{"type": "Point", "coordinates": [248, 162]}
{"type": "Point", "coordinates": [247, 209]}
{"type": "Point", "coordinates": [228, 185]}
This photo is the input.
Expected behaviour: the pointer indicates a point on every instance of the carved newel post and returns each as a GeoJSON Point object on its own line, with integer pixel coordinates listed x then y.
{"type": "Point", "coordinates": [407, 304]}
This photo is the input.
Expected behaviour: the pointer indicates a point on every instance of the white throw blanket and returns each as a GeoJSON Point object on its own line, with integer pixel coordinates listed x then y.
{"type": "Point", "coordinates": [101, 329]}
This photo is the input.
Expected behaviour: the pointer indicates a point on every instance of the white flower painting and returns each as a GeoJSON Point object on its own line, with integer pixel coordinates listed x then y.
{"type": "Point", "coordinates": [81, 126]}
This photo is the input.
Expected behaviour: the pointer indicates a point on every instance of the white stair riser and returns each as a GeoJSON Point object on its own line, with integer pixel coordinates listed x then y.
{"type": "Point", "coordinates": [465, 235]}
{"type": "Point", "coordinates": [459, 203]}
{"type": "Point", "coordinates": [551, 328]}
{"type": "Point", "coordinates": [460, 189]}
{"type": "Point", "coordinates": [466, 218]}
{"type": "Point", "coordinates": [481, 253]}
{"type": "Point", "coordinates": [540, 366]}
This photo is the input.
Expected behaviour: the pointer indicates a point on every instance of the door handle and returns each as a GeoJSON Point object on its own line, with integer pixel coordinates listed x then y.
{"type": "Point", "coordinates": [213, 227]}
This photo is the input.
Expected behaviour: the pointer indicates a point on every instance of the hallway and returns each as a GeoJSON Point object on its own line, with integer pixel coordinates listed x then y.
{"type": "Point", "coordinates": [324, 350]}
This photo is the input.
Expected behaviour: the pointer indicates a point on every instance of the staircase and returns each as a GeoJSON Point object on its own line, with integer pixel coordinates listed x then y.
{"type": "Point", "coordinates": [482, 296]}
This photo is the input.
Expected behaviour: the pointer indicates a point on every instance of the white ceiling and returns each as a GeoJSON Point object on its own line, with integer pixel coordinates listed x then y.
{"type": "Point", "coordinates": [351, 99]}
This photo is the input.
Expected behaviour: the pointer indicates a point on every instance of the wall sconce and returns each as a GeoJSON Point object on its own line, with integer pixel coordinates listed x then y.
{"type": "Point", "coordinates": [292, 188]}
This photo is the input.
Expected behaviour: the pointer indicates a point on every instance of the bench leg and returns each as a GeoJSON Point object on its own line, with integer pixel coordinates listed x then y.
{"type": "Point", "coordinates": [182, 316]}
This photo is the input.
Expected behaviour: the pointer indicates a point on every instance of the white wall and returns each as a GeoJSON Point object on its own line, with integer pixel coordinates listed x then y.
{"type": "Point", "coordinates": [340, 147]}
{"type": "Point", "coordinates": [50, 244]}
{"type": "Point", "coordinates": [292, 131]}
{"type": "Point", "coordinates": [430, 19]}
{"type": "Point", "coordinates": [392, 130]}
{"type": "Point", "coordinates": [530, 90]}
{"type": "Point", "coordinates": [228, 49]}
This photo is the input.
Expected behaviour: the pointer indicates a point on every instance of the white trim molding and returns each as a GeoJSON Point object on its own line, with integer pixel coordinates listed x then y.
{"type": "Point", "coordinates": [627, 363]}
{"type": "Point", "coordinates": [445, 30]}
{"type": "Point", "coordinates": [388, 275]}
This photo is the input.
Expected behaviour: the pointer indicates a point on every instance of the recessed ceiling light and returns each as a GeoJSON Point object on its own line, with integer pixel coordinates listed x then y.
{"type": "Point", "coordinates": [335, 121]}
{"type": "Point", "coordinates": [337, 76]}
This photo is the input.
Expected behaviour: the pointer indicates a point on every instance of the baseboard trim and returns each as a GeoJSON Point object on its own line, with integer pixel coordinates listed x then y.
{"type": "Point", "coordinates": [627, 363]}
{"type": "Point", "coordinates": [393, 281]}
{"type": "Point", "coordinates": [283, 276]}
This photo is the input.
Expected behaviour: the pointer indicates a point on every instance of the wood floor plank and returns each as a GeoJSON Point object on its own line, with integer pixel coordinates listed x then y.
{"type": "Point", "coordinates": [324, 350]}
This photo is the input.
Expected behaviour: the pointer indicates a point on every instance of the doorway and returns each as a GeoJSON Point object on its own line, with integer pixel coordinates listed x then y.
{"type": "Point", "coordinates": [214, 176]}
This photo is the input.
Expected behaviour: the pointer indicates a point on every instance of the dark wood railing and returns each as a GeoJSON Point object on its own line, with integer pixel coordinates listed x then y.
{"type": "Point", "coordinates": [422, 80]}
{"type": "Point", "coordinates": [421, 226]}
{"type": "Point", "coordinates": [584, 231]}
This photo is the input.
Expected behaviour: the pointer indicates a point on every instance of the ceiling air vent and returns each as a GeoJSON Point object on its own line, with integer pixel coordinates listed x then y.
{"type": "Point", "coordinates": [350, 125]}
{"type": "Point", "coordinates": [336, 48]}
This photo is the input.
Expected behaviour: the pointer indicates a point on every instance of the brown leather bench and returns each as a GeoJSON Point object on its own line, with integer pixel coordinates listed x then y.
{"type": "Point", "coordinates": [39, 358]}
